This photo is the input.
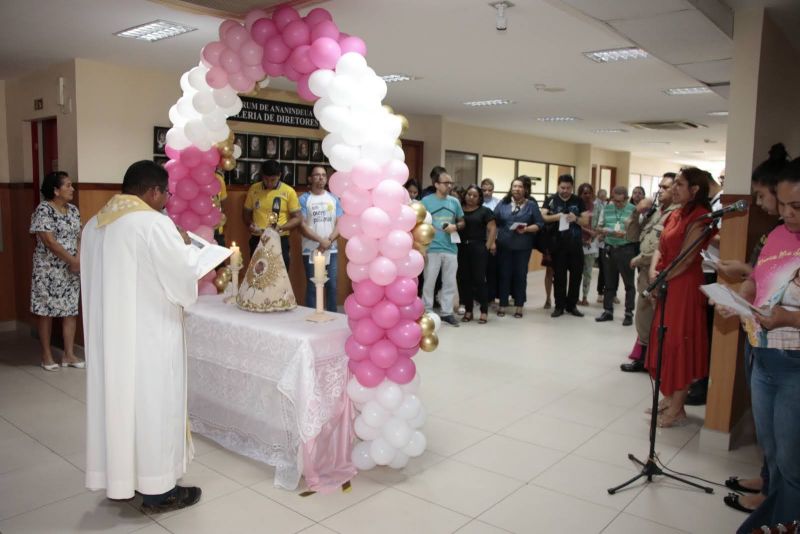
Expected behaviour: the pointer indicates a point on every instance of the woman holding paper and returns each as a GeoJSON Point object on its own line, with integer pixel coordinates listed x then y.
{"type": "Point", "coordinates": [518, 219]}
{"type": "Point", "coordinates": [477, 243]}
{"type": "Point", "coordinates": [686, 340]}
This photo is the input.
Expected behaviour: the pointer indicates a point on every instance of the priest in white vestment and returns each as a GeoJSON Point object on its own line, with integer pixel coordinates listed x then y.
{"type": "Point", "coordinates": [137, 275]}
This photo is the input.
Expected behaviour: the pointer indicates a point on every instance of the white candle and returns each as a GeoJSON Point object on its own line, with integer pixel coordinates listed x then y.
{"type": "Point", "coordinates": [319, 266]}
{"type": "Point", "coordinates": [236, 255]}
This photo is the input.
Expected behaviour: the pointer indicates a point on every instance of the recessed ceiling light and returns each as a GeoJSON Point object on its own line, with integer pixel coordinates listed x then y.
{"type": "Point", "coordinates": [616, 54]}
{"type": "Point", "coordinates": [392, 78]}
{"type": "Point", "coordinates": [680, 91]}
{"type": "Point", "coordinates": [656, 142]}
{"type": "Point", "coordinates": [609, 130]}
{"type": "Point", "coordinates": [717, 113]}
{"type": "Point", "coordinates": [155, 30]}
{"type": "Point", "coordinates": [688, 152]}
{"type": "Point", "coordinates": [484, 103]}
{"type": "Point", "coordinates": [557, 119]}
{"type": "Point", "coordinates": [547, 88]}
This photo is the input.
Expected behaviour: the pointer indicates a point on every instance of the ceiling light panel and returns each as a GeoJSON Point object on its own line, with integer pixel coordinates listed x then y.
{"type": "Point", "coordinates": [393, 78]}
{"type": "Point", "coordinates": [485, 103]}
{"type": "Point", "coordinates": [717, 113]}
{"type": "Point", "coordinates": [616, 54]}
{"type": "Point", "coordinates": [557, 119]}
{"type": "Point", "coordinates": [681, 91]}
{"type": "Point", "coordinates": [155, 31]}
{"type": "Point", "coordinates": [608, 130]}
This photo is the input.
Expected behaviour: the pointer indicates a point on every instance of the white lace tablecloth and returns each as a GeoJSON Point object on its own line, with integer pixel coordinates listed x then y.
{"type": "Point", "coordinates": [260, 384]}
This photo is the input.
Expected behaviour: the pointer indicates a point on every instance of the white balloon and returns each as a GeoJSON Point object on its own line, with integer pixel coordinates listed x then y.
{"type": "Point", "coordinates": [333, 117]}
{"type": "Point", "coordinates": [186, 108]}
{"type": "Point", "coordinates": [375, 87]}
{"type": "Point", "coordinates": [420, 419]}
{"type": "Point", "coordinates": [176, 138]}
{"type": "Point", "coordinates": [374, 414]}
{"type": "Point", "coordinates": [361, 456]}
{"type": "Point", "coordinates": [416, 446]}
{"type": "Point", "coordinates": [381, 452]}
{"type": "Point", "coordinates": [343, 90]}
{"type": "Point", "coordinates": [378, 151]}
{"type": "Point", "coordinates": [357, 129]}
{"type": "Point", "coordinates": [389, 395]}
{"type": "Point", "coordinates": [175, 116]}
{"type": "Point", "coordinates": [264, 83]}
{"type": "Point", "coordinates": [352, 64]}
{"type": "Point", "coordinates": [331, 140]}
{"type": "Point", "coordinates": [344, 156]}
{"type": "Point", "coordinates": [204, 103]}
{"type": "Point", "coordinates": [396, 432]}
{"type": "Point", "coordinates": [400, 460]}
{"type": "Point", "coordinates": [197, 78]}
{"type": "Point", "coordinates": [413, 386]}
{"type": "Point", "coordinates": [225, 97]}
{"type": "Point", "coordinates": [237, 151]}
{"type": "Point", "coordinates": [215, 136]}
{"type": "Point", "coordinates": [320, 80]}
{"type": "Point", "coordinates": [215, 120]}
{"type": "Point", "coordinates": [437, 321]}
{"type": "Point", "coordinates": [365, 431]}
{"type": "Point", "coordinates": [197, 133]}
{"type": "Point", "coordinates": [185, 86]}
{"type": "Point", "coordinates": [392, 126]}
{"type": "Point", "coordinates": [409, 407]}
{"type": "Point", "coordinates": [398, 154]}
{"type": "Point", "coordinates": [234, 109]}
{"type": "Point", "coordinates": [359, 393]}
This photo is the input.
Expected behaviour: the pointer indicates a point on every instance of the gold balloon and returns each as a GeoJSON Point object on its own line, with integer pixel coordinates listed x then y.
{"type": "Point", "coordinates": [220, 283]}
{"type": "Point", "coordinates": [398, 142]}
{"type": "Point", "coordinates": [231, 137]}
{"type": "Point", "coordinates": [403, 123]}
{"type": "Point", "coordinates": [426, 323]}
{"type": "Point", "coordinates": [226, 150]}
{"type": "Point", "coordinates": [388, 109]}
{"type": "Point", "coordinates": [429, 342]}
{"type": "Point", "coordinates": [420, 210]}
{"type": "Point", "coordinates": [226, 273]}
{"type": "Point", "coordinates": [423, 233]}
{"type": "Point", "coordinates": [228, 163]}
{"type": "Point", "coordinates": [252, 92]}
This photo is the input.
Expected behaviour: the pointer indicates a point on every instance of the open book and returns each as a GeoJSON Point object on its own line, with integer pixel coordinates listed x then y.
{"type": "Point", "coordinates": [724, 296]}
{"type": "Point", "coordinates": [211, 254]}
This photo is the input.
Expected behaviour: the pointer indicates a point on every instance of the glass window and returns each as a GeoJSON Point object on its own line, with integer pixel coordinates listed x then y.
{"type": "Point", "coordinates": [538, 173]}
{"type": "Point", "coordinates": [502, 171]}
{"type": "Point", "coordinates": [463, 166]}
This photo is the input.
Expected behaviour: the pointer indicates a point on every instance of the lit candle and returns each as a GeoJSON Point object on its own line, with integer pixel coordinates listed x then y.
{"type": "Point", "coordinates": [236, 255]}
{"type": "Point", "coordinates": [319, 266]}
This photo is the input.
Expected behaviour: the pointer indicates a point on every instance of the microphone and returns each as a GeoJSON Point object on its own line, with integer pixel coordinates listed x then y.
{"type": "Point", "coordinates": [649, 213]}
{"type": "Point", "coordinates": [739, 205]}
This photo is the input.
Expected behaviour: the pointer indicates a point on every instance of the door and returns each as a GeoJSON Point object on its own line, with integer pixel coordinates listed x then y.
{"type": "Point", "coordinates": [413, 151]}
{"type": "Point", "coordinates": [44, 151]}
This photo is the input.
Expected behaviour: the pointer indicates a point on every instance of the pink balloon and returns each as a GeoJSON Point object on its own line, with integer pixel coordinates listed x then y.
{"type": "Point", "coordinates": [207, 233]}
{"type": "Point", "coordinates": [402, 291]}
{"type": "Point", "coordinates": [325, 52]}
{"type": "Point", "coordinates": [357, 271]}
{"type": "Point", "coordinates": [405, 334]}
{"type": "Point", "coordinates": [317, 15]}
{"type": "Point", "coordinates": [385, 314]}
{"type": "Point", "coordinates": [412, 311]}
{"type": "Point", "coordinates": [252, 17]}
{"type": "Point", "coordinates": [254, 73]}
{"type": "Point", "coordinates": [296, 33]}
{"type": "Point", "coordinates": [262, 30]}
{"type": "Point", "coordinates": [275, 50]}
{"type": "Point", "coordinates": [355, 350]}
{"type": "Point", "coordinates": [352, 366]}
{"type": "Point", "coordinates": [382, 271]}
{"type": "Point", "coordinates": [225, 26]}
{"type": "Point", "coordinates": [408, 353]}
{"type": "Point", "coordinates": [273, 69]}
{"type": "Point", "coordinates": [402, 372]}
{"type": "Point", "coordinates": [396, 245]}
{"type": "Point", "coordinates": [368, 374]}
{"type": "Point", "coordinates": [303, 90]}
{"type": "Point", "coordinates": [201, 205]}
{"type": "Point", "coordinates": [326, 29]}
{"type": "Point", "coordinates": [235, 37]}
{"type": "Point", "coordinates": [367, 293]}
{"type": "Point", "coordinates": [290, 73]}
{"type": "Point", "coordinates": [284, 15]}
{"type": "Point", "coordinates": [367, 332]}
{"type": "Point", "coordinates": [189, 220]}
{"type": "Point", "coordinates": [354, 310]}
{"type": "Point", "coordinates": [211, 157]}
{"type": "Point", "coordinates": [217, 78]}
{"type": "Point", "coordinates": [355, 200]}
{"type": "Point", "coordinates": [192, 157]}
{"type": "Point", "coordinates": [339, 182]}
{"type": "Point", "coordinates": [412, 265]}
{"type": "Point", "coordinates": [175, 169]}
{"type": "Point", "coordinates": [172, 153]}
{"type": "Point", "coordinates": [229, 60]}
{"type": "Point", "coordinates": [187, 189]}
{"type": "Point", "coordinates": [211, 188]}
{"type": "Point", "coordinates": [365, 174]}
{"type": "Point", "coordinates": [353, 44]}
{"type": "Point", "coordinates": [349, 226]}
{"type": "Point", "coordinates": [406, 220]}
{"type": "Point", "coordinates": [176, 205]}
{"type": "Point", "coordinates": [383, 353]}
{"type": "Point", "coordinates": [203, 175]}
{"type": "Point", "coordinates": [211, 53]}
{"type": "Point", "coordinates": [359, 249]}
{"type": "Point", "coordinates": [251, 53]}
{"type": "Point", "coordinates": [390, 197]}
{"type": "Point", "coordinates": [206, 288]}
{"type": "Point", "coordinates": [396, 171]}
{"type": "Point", "coordinates": [211, 218]}
{"type": "Point", "coordinates": [240, 82]}
{"type": "Point", "coordinates": [375, 223]}
{"type": "Point", "coordinates": [300, 61]}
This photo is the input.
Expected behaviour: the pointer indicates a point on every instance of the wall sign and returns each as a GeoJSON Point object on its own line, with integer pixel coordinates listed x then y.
{"type": "Point", "coordinates": [274, 112]}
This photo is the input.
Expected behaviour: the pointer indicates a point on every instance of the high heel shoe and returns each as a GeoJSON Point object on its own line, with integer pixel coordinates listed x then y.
{"type": "Point", "coordinates": [49, 366]}
{"type": "Point", "coordinates": [76, 365]}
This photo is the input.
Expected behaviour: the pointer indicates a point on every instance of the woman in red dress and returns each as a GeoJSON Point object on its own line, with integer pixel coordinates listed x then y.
{"type": "Point", "coordinates": [686, 340]}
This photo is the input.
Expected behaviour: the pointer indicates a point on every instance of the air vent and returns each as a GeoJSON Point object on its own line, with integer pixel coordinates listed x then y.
{"type": "Point", "coordinates": [666, 125]}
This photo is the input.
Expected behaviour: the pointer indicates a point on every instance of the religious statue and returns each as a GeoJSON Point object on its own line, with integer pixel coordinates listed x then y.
{"type": "Point", "coordinates": [266, 286]}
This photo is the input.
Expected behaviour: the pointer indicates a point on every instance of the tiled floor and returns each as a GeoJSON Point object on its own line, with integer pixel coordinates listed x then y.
{"type": "Point", "coordinates": [530, 421]}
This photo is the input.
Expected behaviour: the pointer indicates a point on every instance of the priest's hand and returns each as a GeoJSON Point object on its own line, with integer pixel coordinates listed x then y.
{"type": "Point", "coordinates": [184, 235]}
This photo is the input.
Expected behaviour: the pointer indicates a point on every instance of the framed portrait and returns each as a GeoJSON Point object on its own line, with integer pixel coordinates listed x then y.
{"type": "Point", "coordinates": [303, 150]}
{"type": "Point", "coordinates": [240, 140]}
{"type": "Point", "coordinates": [255, 146]}
{"type": "Point", "coordinates": [271, 147]}
{"type": "Point", "coordinates": [316, 151]}
{"type": "Point", "coordinates": [254, 172]}
{"type": "Point", "coordinates": [161, 160]}
{"type": "Point", "coordinates": [239, 175]}
{"type": "Point", "coordinates": [287, 148]}
{"type": "Point", "coordinates": [303, 173]}
{"type": "Point", "coordinates": [288, 173]}
{"type": "Point", "coordinates": [159, 139]}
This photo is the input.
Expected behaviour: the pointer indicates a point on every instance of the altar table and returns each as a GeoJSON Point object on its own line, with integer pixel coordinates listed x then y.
{"type": "Point", "coordinates": [272, 387]}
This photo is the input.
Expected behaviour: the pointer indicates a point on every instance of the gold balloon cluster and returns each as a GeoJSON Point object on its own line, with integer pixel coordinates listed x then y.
{"type": "Point", "coordinates": [223, 278]}
{"type": "Point", "coordinates": [423, 232]}
{"type": "Point", "coordinates": [227, 161]}
{"type": "Point", "coordinates": [429, 340]}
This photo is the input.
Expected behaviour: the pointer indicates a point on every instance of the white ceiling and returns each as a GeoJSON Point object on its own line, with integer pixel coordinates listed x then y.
{"type": "Point", "coordinates": [453, 47]}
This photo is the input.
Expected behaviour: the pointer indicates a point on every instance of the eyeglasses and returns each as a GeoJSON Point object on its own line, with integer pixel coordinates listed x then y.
{"type": "Point", "coordinates": [319, 175]}
{"type": "Point", "coordinates": [449, 184]}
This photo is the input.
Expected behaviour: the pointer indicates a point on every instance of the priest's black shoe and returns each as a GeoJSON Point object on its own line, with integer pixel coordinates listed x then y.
{"type": "Point", "coordinates": [635, 366]}
{"type": "Point", "coordinates": [182, 497]}
{"type": "Point", "coordinates": [575, 312]}
{"type": "Point", "coordinates": [605, 316]}
{"type": "Point", "coordinates": [558, 312]}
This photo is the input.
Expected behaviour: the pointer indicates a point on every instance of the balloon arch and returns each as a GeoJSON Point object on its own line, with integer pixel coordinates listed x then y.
{"type": "Point", "coordinates": [386, 236]}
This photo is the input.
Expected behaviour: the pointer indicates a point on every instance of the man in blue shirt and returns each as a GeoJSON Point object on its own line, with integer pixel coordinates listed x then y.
{"type": "Point", "coordinates": [448, 219]}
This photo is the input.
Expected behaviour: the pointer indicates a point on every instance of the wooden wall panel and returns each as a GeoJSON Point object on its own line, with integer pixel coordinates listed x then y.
{"type": "Point", "coordinates": [22, 202]}
{"type": "Point", "coordinates": [8, 310]}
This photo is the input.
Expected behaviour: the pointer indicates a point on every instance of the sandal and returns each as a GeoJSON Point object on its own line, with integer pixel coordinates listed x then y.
{"type": "Point", "coordinates": [482, 319]}
{"type": "Point", "coordinates": [547, 304]}
{"type": "Point", "coordinates": [501, 312]}
{"type": "Point", "coordinates": [732, 500]}
{"type": "Point", "coordinates": [663, 404]}
{"type": "Point", "coordinates": [467, 317]}
{"type": "Point", "coordinates": [672, 421]}
{"type": "Point", "coordinates": [517, 315]}
{"type": "Point", "coordinates": [733, 483]}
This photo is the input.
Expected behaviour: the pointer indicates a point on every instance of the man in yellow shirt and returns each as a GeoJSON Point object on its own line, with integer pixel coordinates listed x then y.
{"type": "Point", "coordinates": [268, 196]}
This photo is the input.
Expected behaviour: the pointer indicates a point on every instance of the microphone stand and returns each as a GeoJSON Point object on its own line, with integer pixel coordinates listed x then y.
{"type": "Point", "coordinates": [651, 468]}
